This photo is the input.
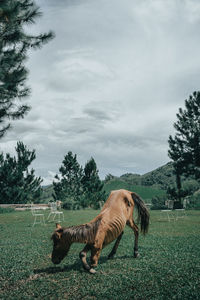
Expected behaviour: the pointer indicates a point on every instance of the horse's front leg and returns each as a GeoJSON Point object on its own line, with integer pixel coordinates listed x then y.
{"type": "Point", "coordinates": [96, 248]}
{"type": "Point", "coordinates": [95, 254]}
{"type": "Point", "coordinates": [114, 249]}
{"type": "Point", "coordinates": [83, 257]}
{"type": "Point", "coordinates": [134, 227]}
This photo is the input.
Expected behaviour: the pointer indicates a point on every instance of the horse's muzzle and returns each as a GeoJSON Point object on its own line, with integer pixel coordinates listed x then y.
{"type": "Point", "coordinates": [55, 260]}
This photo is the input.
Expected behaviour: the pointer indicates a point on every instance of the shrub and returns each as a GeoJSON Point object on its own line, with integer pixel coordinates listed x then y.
{"type": "Point", "coordinates": [70, 204]}
{"type": "Point", "coordinates": [190, 187]}
{"type": "Point", "coordinates": [178, 205]}
{"type": "Point", "coordinates": [158, 202]}
{"type": "Point", "coordinates": [194, 200]}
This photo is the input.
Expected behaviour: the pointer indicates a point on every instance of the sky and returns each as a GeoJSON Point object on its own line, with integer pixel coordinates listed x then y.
{"type": "Point", "coordinates": [110, 83]}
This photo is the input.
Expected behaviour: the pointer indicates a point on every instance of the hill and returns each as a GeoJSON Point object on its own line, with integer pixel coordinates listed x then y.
{"type": "Point", "coordinates": [159, 178]}
{"type": "Point", "coordinates": [147, 186]}
{"type": "Point", "coordinates": [145, 192]}
{"type": "Point", "coordinates": [151, 184]}
{"type": "Point", "coordinates": [47, 194]}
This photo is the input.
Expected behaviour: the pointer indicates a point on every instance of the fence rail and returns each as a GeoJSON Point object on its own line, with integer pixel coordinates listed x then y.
{"type": "Point", "coordinates": [25, 206]}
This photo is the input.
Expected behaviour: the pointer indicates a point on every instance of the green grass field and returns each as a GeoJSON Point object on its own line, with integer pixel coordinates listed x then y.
{"type": "Point", "coordinates": [144, 191]}
{"type": "Point", "coordinates": [168, 266]}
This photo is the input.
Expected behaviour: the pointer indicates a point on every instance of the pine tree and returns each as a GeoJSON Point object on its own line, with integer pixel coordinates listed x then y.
{"type": "Point", "coordinates": [92, 185]}
{"type": "Point", "coordinates": [14, 44]}
{"type": "Point", "coordinates": [68, 187]}
{"type": "Point", "coordinates": [18, 184]}
{"type": "Point", "coordinates": [184, 148]}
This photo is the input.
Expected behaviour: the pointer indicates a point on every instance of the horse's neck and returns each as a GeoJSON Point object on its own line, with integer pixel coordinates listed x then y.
{"type": "Point", "coordinates": [82, 233]}
{"type": "Point", "coordinates": [76, 234]}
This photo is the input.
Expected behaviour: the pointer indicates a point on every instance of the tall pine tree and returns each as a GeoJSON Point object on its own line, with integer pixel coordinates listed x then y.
{"type": "Point", "coordinates": [184, 147]}
{"type": "Point", "coordinates": [67, 186]}
{"type": "Point", "coordinates": [92, 185]}
{"type": "Point", "coordinates": [15, 15]}
{"type": "Point", "coordinates": [18, 183]}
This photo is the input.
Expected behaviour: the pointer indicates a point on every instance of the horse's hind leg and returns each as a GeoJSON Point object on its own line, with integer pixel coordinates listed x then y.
{"type": "Point", "coordinates": [134, 227]}
{"type": "Point", "coordinates": [83, 256]}
{"type": "Point", "coordinates": [114, 249]}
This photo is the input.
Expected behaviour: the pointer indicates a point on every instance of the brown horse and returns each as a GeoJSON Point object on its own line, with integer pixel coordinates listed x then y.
{"type": "Point", "coordinates": [102, 230]}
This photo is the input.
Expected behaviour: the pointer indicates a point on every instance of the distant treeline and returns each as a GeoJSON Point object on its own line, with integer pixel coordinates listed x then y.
{"type": "Point", "coordinates": [154, 186]}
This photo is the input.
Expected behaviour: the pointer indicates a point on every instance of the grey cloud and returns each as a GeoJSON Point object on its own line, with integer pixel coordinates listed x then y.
{"type": "Point", "coordinates": [109, 85]}
{"type": "Point", "coordinates": [82, 125]}
{"type": "Point", "coordinates": [61, 3]}
{"type": "Point", "coordinates": [97, 114]}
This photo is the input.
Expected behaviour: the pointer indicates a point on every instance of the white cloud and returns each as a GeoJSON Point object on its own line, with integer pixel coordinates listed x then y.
{"type": "Point", "coordinates": [49, 178]}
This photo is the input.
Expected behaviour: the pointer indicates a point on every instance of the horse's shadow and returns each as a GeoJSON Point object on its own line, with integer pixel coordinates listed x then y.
{"type": "Point", "coordinates": [52, 270]}
{"type": "Point", "coordinates": [77, 266]}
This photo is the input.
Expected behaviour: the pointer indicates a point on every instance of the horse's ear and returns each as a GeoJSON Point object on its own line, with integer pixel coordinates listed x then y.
{"type": "Point", "coordinates": [58, 235]}
{"type": "Point", "coordinates": [58, 226]}
{"type": "Point", "coordinates": [126, 200]}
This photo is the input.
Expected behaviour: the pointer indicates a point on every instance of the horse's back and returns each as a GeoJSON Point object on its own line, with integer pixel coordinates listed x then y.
{"type": "Point", "coordinates": [117, 202]}
{"type": "Point", "coordinates": [114, 214]}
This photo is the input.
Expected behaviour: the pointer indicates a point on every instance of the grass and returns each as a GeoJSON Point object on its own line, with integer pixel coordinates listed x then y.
{"type": "Point", "coordinates": [4, 210]}
{"type": "Point", "coordinates": [168, 266]}
{"type": "Point", "coordinates": [146, 193]}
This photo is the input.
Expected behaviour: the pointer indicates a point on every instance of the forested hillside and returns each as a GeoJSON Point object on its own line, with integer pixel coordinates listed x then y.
{"type": "Point", "coordinates": [149, 185]}
{"type": "Point", "coordinates": [159, 178]}
{"type": "Point", "coordinates": [144, 191]}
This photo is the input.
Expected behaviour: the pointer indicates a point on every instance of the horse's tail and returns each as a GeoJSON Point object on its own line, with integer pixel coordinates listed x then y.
{"type": "Point", "coordinates": [143, 214]}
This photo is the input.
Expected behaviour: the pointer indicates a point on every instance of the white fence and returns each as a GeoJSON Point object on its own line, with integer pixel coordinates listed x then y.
{"type": "Point", "coordinates": [25, 206]}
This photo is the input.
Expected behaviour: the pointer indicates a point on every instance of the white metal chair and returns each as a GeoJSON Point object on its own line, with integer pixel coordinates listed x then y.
{"type": "Point", "coordinates": [55, 212]}
{"type": "Point", "coordinates": [38, 217]}
{"type": "Point", "coordinates": [167, 213]}
{"type": "Point", "coordinates": [180, 213]}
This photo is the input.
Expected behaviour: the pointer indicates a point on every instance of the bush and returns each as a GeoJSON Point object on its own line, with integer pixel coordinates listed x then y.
{"type": "Point", "coordinates": [70, 204]}
{"type": "Point", "coordinates": [178, 205]}
{"type": "Point", "coordinates": [158, 202]}
{"type": "Point", "coordinates": [194, 200]}
{"type": "Point", "coordinates": [190, 187]}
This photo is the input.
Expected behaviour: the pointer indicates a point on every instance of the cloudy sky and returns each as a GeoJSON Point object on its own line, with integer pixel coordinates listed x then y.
{"type": "Point", "coordinates": [110, 84]}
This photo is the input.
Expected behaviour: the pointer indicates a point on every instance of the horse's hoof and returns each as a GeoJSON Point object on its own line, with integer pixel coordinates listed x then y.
{"type": "Point", "coordinates": [111, 255]}
{"type": "Point", "coordinates": [86, 267]}
{"type": "Point", "coordinates": [92, 271]}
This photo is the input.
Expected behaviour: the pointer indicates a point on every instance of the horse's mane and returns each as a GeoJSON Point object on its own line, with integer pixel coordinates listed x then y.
{"type": "Point", "coordinates": [84, 232]}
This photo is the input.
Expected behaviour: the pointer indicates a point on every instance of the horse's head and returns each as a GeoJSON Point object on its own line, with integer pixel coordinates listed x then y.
{"type": "Point", "coordinates": [60, 245]}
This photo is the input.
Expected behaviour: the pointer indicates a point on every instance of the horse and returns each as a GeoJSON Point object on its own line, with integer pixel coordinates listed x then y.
{"type": "Point", "coordinates": [107, 226]}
